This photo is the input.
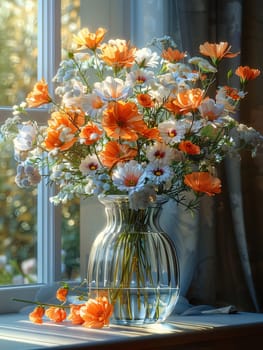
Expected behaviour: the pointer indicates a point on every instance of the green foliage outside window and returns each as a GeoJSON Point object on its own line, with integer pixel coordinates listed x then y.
{"type": "Point", "coordinates": [18, 208]}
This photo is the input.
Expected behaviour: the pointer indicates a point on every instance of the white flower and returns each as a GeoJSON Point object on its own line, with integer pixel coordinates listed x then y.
{"type": "Point", "coordinates": [210, 109]}
{"type": "Point", "coordinates": [128, 176]}
{"type": "Point", "coordinates": [172, 131]}
{"type": "Point", "coordinates": [140, 77]}
{"type": "Point", "coordinates": [25, 138]}
{"type": "Point", "coordinates": [93, 105]}
{"type": "Point", "coordinates": [141, 198]}
{"type": "Point", "coordinates": [89, 165]}
{"type": "Point", "coordinates": [158, 174]}
{"type": "Point", "coordinates": [146, 58]}
{"type": "Point", "coordinates": [161, 153]}
{"type": "Point", "coordinates": [203, 64]}
{"type": "Point", "coordinates": [73, 94]}
{"type": "Point", "coordinates": [112, 89]}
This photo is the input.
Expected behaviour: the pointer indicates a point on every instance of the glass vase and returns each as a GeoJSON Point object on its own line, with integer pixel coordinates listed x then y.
{"type": "Point", "coordinates": [134, 263]}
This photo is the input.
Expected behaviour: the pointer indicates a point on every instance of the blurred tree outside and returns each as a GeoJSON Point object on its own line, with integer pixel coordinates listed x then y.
{"type": "Point", "coordinates": [18, 207]}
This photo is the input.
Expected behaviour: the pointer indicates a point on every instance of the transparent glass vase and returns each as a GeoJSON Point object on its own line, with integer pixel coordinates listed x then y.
{"type": "Point", "coordinates": [134, 263]}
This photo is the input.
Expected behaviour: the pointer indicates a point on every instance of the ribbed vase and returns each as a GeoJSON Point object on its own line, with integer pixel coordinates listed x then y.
{"type": "Point", "coordinates": [134, 263]}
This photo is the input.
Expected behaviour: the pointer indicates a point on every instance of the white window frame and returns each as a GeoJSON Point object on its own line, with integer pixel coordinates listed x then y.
{"type": "Point", "coordinates": [48, 251]}
{"type": "Point", "coordinates": [49, 54]}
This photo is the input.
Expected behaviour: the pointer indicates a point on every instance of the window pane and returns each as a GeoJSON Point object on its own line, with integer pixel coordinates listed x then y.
{"type": "Point", "coordinates": [70, 212]}
{"type": "Point", "coordinates": [18, 42]}
{"type": "Point", "coordinates": [17, 225]}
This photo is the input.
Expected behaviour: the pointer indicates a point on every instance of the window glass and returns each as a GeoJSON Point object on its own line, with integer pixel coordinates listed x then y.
{"type": "Point", "coordinates": [17, 225]}
{"type": "Point", "coordinates": [70, 221]}
{"type": "Point", "coordinates": [18, 42]}
{"type": "Point", "coordinates": [18, 220]}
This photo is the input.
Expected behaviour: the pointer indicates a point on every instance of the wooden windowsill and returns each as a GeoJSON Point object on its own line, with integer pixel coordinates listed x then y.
{"type": "Point", "coordinates": [218, 331]}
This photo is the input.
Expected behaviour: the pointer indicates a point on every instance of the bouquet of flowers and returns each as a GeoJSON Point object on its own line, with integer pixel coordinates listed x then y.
{"type": "Point", "coordinates": [132, 121]}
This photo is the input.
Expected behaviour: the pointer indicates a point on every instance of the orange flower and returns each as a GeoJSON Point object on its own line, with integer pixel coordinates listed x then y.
{"type": "Point", "coordinates": [115, 152]}
{"type": "Point", "coordinates": [121, 120]}
{"type": "Point", "coordinates": [62, 293]}
{"type": "Point", "coordinates": [185, 101]}
{"type": "Point", "coordinates": [96, 313]}
{"type": "Point", "coordinates": [39, 96]}
{"type": "Point", "coordinates": [37, 314]}
{"type": "Point", "coordinates": [145, 100]}
{"type": "Point", "coordinates": [246, 73]}
{"type": "Point", "coordinates": [74, 315]}
{"type": "Point", "coordinates": [203, 182]}
{"type": "Point", "coordinates": [231, 92]}
{"type": "Point", "coordinates": [75, 115]}
{"type": "Point", "coordinates": [173, 55]}
{"type": "Point", "coordinates": [56, 314]}
{"type": "Point", "coordinates": [90, 133]}
{"type": "Point", "coordinates": [152, 134]}
{"type": "Point", "coordinates": [61, 132]}
{"type": "Point", "coordinates": [189, 148]}
{"type": "Point", "coordinates": [86, 39]}
{"type": "Point", "coordinates": [217, 51]}
{"type": "Point", "coordinates": [118, 54]}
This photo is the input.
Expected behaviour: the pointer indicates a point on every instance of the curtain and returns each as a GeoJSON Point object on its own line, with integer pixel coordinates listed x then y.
{"type": "Point", "coordinates": [228, 231]}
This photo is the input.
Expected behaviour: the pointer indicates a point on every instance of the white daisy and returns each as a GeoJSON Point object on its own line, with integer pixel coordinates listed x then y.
{"type": "Point", "coordinates": [128, 176]}
{"type": "Point", "coordinates": [172, 131]}
{"type": "Point", "coordinates": [89, 165]}
{"type": "Point", "coordinates": [93, 105]}
{"type": "Point", "coordinates": [112, 89]}
{"type": "Point", "coordinates": [145, 57]}
{"type": "Point", "coordinates": [158, 174]}
{"type": "Point", "coordinates": [140, 77]}
{"type": "Point", "coordinates": [161, 153]}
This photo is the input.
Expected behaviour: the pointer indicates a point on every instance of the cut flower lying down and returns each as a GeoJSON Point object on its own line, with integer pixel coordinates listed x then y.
{"type": "Point", "coordinates": [92, 313]}
{"type": "Point", "coordinates": [134, 121]}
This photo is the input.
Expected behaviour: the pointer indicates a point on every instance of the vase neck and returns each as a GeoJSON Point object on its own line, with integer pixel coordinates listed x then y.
{"type": "Point", "coordinates": [121, 218]}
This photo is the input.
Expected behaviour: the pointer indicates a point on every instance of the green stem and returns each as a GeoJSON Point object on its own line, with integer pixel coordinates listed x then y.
{"type": "Point", "coordinates": [40, 303]}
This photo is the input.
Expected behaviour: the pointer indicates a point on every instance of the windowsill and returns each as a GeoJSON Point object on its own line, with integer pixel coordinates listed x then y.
{"type": "Point", "coordinates": [218, 331]}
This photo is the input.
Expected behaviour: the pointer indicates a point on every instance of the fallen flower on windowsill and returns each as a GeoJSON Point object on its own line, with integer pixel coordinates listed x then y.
{"type": "Point", "coordinates": [92, 313]}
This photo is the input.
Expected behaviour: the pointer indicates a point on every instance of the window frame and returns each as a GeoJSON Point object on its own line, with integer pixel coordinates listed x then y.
{"type": "Point", "coordinates": [48, 235]}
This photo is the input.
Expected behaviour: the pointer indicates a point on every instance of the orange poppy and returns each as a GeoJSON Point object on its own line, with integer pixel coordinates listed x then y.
{"type": "Point", "coordinates": [115, 152]}
{"type": "Point", "coordinates": [217, 51]}
{"type": "Point", "coordinates": [118, 54]}
{"type": "Point", "coordinates": [39, 95]}
{"type": "Point", "coordinates": [86, 39]}
{"type": "Point", "coordinates": [122, 120]}
{"type": "Point", "coordinates": [173, 55]}
{"type": "Point", "coordinates": [53, 140]}
{"type": "Point", "coordinates": [203, 182]}
{"type": "Point", "coordinates": [76, 115]}
{"type": "Point", "coordinates": [246, 73]}
{"type": "Point", "coordinates": [61, 118]}
{"type": "Point", "coordinates": [62, 293]}
{"type": "Point", "coordinates": [189, 147]}
{"type": "Point", "coordinates": [37, 314]}
{"type": "Point", "coordinates": [96, 312]}
{"type": "Point", "coordinates": [231, 92]}
{"type": "Point", "coordinates": [185, 101]}
{"type": "Point", "coordinates": [74, 315]}
{"type": "Point", "coordinates": [56, 314]}
{"type": "Point", "coordinates": [152, 134]}
{"type": "Point", "coordinates": [90, 133]}
{"type": "Point", "coordinates": [145, 100]}
{"type": "Point", "coordinates": [60, 133]}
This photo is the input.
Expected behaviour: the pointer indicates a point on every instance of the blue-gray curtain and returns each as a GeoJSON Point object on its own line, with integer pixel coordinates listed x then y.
{"type": "Point", "coordinates": [227, 234]}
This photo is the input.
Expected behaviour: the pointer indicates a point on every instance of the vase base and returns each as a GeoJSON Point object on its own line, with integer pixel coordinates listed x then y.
{"type": "Point", "coordinates": [139, 306]}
